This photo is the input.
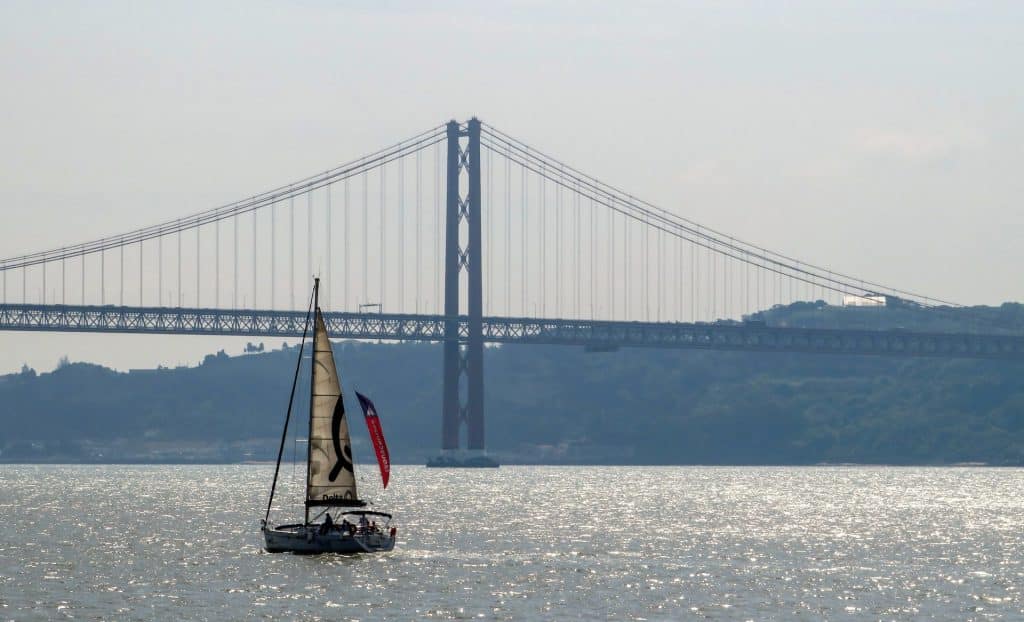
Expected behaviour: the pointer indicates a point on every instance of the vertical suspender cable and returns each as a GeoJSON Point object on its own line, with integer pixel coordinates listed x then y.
{"type": "Point", "coordinates": [694, 276]}
{"type": "Point", "coordinates": [489, 210]}
{"type": "Point", "coordinates": [611, 263]}
{"type": "Point", "coordinates": [273, 255]}
{"type": "Point", "coordinates": [198, 263]}
{"type": "Point", "coordinates": [401, 234]}
{"type": "Point", "coordinates": [309, 234]}
{"type": "Point", "coordinates": [508, 234]}
{"type": "Point", "coordinates": [291, 252]}
{"type": "Point", "coordinates": [255, 256]}
{"type": "Point", "coordinates": [216, 268]}
{"type": "Point", "coordinates": [563, 253]}
{"type": "Point", "coordinates": [366, 237]}
{"type": "Point", "coordinates": [658, 285]}
{"type": "Point", "coordinates": [327, 251]}
{"type": "Point", "coordinates": [383, 225]}
{"type": "Point", "coordinates": [525, 200]}
{"type": "Point", "coordinates": [419, 230]}
{"type": "Point", "coordinates": [438, 260]}
{"type": "Point", "coordinates": [543, 223]}
{"type": "Point", "coordinates": [345, 250]}
{"type": "Point", "coordinates": [577, 235]}
{"type": "Point", "coordinates": [179, 265]}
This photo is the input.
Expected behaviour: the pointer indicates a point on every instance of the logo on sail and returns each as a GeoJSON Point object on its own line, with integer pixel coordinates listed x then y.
{"type": "Point", "coordinates": [344, 454]}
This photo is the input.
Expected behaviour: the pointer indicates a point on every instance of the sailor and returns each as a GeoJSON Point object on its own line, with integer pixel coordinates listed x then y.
{"type": "Point", "coordinates": [328, 524]}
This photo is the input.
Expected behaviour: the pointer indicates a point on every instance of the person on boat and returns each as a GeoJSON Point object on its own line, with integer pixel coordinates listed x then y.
{"type": "Point", "coordinates": [363, 524]}
{"type": "Point", "coordinates": [328, 524]}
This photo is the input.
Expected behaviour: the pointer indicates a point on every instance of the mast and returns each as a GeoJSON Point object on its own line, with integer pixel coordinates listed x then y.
{"type": "Point", "coordinates": [312, 381]}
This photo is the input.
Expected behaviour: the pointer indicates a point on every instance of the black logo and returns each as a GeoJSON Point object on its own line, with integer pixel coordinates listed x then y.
{"type": "Point", "coordinates": [344, 453]}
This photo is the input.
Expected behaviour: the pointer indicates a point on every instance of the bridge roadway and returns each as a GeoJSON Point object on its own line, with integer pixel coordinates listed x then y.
{"type": "Point", "coordinates": [596, 334]}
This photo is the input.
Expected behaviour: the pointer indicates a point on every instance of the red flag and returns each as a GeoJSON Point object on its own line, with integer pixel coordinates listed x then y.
{"type": "Point", "coordinates": [377, 436]}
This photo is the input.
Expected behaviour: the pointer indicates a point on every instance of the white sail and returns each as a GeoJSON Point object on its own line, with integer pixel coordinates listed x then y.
{"type": "Point", "coordinates": [332, 478]}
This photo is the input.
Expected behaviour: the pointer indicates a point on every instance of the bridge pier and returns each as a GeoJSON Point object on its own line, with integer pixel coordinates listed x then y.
{"type": "Point", "coordinates": [463, 354]}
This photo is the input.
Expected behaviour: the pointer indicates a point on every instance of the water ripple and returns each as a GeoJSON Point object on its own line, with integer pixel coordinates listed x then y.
{"type": "Point", "coordinates": [163, 542]}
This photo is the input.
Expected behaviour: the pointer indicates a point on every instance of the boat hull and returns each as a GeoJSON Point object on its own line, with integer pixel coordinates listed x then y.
{"type": "Point", "coordinates": [311, 541]}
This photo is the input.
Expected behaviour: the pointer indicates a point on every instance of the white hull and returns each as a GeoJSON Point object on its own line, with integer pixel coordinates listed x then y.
{"type": "Point", "coordinates": [300, 539]}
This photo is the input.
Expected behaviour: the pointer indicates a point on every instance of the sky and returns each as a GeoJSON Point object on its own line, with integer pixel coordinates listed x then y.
{"type": "Point", "coordinates": [882, 139]}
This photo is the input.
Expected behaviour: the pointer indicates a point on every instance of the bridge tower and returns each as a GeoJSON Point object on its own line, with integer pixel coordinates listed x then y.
{"type": "Point", "coordinates": [463, 354]}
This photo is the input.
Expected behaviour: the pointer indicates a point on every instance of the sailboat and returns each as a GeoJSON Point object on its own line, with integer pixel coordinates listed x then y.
{"type": "Point", "coordinates": [330, 470]}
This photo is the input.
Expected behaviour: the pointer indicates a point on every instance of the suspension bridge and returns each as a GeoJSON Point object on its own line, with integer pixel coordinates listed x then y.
{"type": "Point", "coordinates": [462, 235]}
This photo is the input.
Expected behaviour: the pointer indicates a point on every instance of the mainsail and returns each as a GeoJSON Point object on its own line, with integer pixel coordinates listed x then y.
{"type": "Point", "coordinates": [331, 479]}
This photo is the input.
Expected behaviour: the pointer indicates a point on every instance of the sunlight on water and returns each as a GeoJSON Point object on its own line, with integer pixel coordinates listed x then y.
{"type": "Point", "coordinates": [182, 542]}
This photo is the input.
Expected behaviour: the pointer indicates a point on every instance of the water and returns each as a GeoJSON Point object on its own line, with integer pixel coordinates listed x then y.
{"type": "Point", "coordinates": [182, 542]}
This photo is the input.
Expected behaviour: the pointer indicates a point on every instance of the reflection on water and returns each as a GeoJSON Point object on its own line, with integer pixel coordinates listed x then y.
{"type": "Point", "coordinates": [182, 542]}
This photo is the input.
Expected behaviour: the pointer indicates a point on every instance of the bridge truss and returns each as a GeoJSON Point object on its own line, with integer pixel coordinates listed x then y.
{"type": "Point", "coordinates": [594, 334]}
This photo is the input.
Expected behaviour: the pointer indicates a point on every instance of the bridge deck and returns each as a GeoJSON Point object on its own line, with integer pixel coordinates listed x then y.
{"type": "Point", "coordinates": [591, 333]}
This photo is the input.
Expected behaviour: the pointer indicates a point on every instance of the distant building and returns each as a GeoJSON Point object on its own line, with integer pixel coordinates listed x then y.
{"type": "Point", "coordinates": [868, 299]}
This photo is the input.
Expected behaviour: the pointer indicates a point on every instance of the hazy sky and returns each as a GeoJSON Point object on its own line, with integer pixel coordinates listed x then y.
{"type": "Point", "coordinates": [883, 139]}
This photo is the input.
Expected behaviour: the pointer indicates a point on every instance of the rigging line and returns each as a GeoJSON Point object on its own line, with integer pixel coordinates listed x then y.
{"type": "Point", "coordinates": [497, 134]}
{"type": "Point", "coordinates": [288, 416]}
{"type": "Point", "coordinates": [609, 203]}
{"type": "Point", "coordinates": [240, 207]}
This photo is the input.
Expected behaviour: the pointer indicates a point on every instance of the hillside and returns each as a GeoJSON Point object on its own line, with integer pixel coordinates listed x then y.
{"type": "Point", "coordinates": [544, 404]}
